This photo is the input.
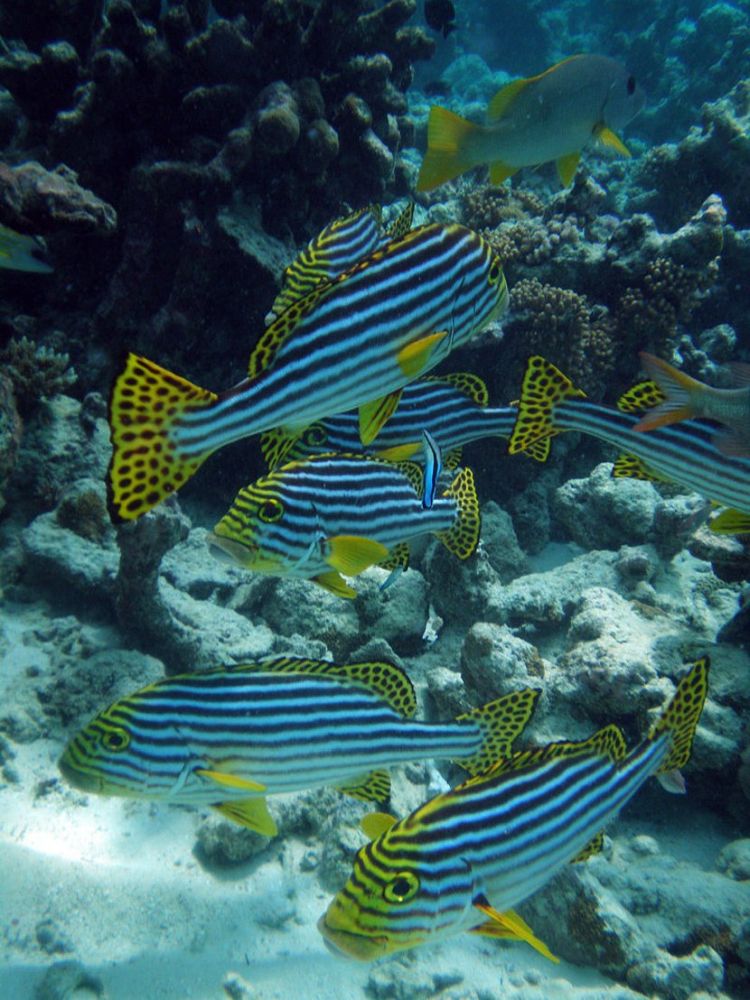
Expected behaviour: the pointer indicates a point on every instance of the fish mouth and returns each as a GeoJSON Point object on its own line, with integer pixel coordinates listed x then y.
{"type": "Point", "coordinates": [348, 944]}
{"type": "Point", "coordinates": [84, 781]}
{"type": "Point", "coordinates": [226, 550]}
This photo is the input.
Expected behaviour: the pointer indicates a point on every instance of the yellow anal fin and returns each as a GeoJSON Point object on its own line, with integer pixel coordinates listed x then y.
{"type": "Point", "coordinates": [682, 714]}
{"type": "Point", "coordinates": [463, 538]}
{"type": "Point", "coordinates": [352, 554]}
{"type": "Point", "coordinates": [452, 459]}
{"type": "Point", "coordinates": [231, 780]}
{"type": "Point", "coordinates": [447, 135]}
{"type": "Point", "coordinates": [373, 825]}
{"type": "Point", "coordinates": [467, 384]}
{"type": "Point", "coordinates": [628, 466]}
{"type": "Point", "coordinates": [539, 450]}
{"type": "Point", "coordinates": [414, 357]}
{"type": "Point", "coordinates": [399, 452]}
{"type": "Point", "coordinates": [543, 386]}
{"type": "Point", "coordinates": [501, 722]}
{"type": "Point", "coordinates": [398, 557]}
{"type": "Point", "coordinates": [730, 522]}
{"type": "Point", "coordinates": [500, 172]}
{"type": "Point", "coordinates": [335, 584]}
{"type": "Point", "coordinates": [385, 679]}
{"type": "Point", "coordinates": [594, 846]}
{"type": "Point", "coordinates": [509, 925]}
{"type": "Point", "coordinates": [374, 414]}
{"type": "Point", "coordinates": [145, 403]}
{"type": "Point", "coordinates": [608, 138]}
{"type": "Point", "coordinates": [641, 396]}
{"type": "Point", "coordinates": [252, 813]}
{"type": "Point", "coordinates": [567, 166]}
{"type": "Point", "coordinates": [373, 787]}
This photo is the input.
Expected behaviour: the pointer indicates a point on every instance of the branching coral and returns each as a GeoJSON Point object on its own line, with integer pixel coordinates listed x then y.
{"type": "Point", "coordinates": [36, 372]}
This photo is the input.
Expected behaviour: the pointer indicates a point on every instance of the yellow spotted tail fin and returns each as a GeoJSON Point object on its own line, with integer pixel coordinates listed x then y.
{"type": "Point", "coordinates": [543, 386]}
{"type": "Point", "coordinates": [463, 537]}
{"type": "Point", "coordinates": [682, 714]}
{"type": "Point", "coordinates": [501, 722]}
{"type": "Point", "coordinates": [446, 144]}
{"type": "Point", "coordinates": [145, 467]}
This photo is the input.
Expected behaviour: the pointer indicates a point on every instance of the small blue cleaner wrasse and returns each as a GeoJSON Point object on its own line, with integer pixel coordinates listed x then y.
{"type": "Point", "coordinates": [19, 252]}
{"type": "Point", "coordinates": [229, 737]}
{"type": "Point", "coordinates": [351, 342]}
{"type": "Point", "coordinates": [549, 117]}
{"type": "Point", "coordinates": [334, 515]}
{"type": "Point", "coordinates": [461, 861]}
{"type": "Point", "coordinates": [687, 398]}
{"type": "Point", "coordinates": [453, 408]}
{"type": "Point", "coordinates": [685, 453]}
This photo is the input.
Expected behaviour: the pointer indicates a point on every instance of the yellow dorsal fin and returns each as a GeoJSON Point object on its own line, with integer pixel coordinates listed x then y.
{"type": "Point", "coordinates": [509, 925]}
{"type": "Point", "coordinates": [335, 584]}
{"type": "Point", "coordinates": [608, 138]}
{"type": "Point", "coordinates": [352, 554]}
{"type": "Point", "coordinates": [500, 172]}
{"type": "Point", "coordinates": [504, 98]}
{"type": "Point", "coordinates": [466, 383]}
{"type": "Point", "coordinates": [730, 522]}
{"type": "Point", "coordinates": [385, 679]}
{"type": "Point", "coordinates": [275, 445]}
{"type": "Point", "coordinates": [374, 414]}
{"type": "Point", "coordinates": [375, 824]}
{"type": "Point", "coordinates": [452, 459]}
{"type": "Point", "coordinates": [539, 450]}
{"type": "Point", "coordinates": [501, 722]}
{"type": "Point", "coordinates": [225, 780]}
{"type": "Point", "coordinates": [463, 538]}
{"type": "Point", "coordinates": [278, 332]}
{"type": "Point", "coordinates": [414, 474]}
{"type": "Point", "coordinates": [252, 813]}
{"type": "Point", "coordinates": [682, 714]}
{"type": "Point", "coordinates": [567, 166]}
{"type": "Point", "coordinates": [413, 358]}
{"type": "Point", "coordinates": [641, 396]}
{"type": "Point", "coordinates": [627, 466]}
{"type": "Point", "coordinates": [399, 452]}
{"type": "Point", "coordinates": [594, 846]}
{"type": "Point", "coordinates": [145, 403]}
{"type": "Point", "coordinates": [372, 787]}
{"type": "Point", "coordinates": [402, 223]}
{"type": "Point", "coordinates": [543, 386]}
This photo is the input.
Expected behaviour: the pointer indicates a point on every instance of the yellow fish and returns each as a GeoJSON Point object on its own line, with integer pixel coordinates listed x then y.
{"type": "Point", "coordinates": [535, 120]}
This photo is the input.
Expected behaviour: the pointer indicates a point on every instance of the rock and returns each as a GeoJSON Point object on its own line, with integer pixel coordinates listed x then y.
{"type": "Point", "coordinates": [300, 607]}
{"type": "Point", "coordinates": [681, 978]}
{"type": "Point", "coordinates": [397, 615]}
{"type": "Point", "coordinates": [494, 661]}
{"type": "Point", "coordinates": [734, 860]}
{"type": "Point", "coordinates": [66, 980]}
{"type": "Point", "coordinates": [498, 537]}
{"type": "Point", "coordinates": [221, 844]}
{"type": "Point", "coordinates": [36, 200]}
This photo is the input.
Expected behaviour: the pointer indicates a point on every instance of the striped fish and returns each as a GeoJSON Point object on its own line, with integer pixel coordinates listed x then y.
{"type": "Point", "coordinates": [229, 737]}
{"type": "Point", "coordinates": [338, 514]}
{"type": "Point", "coordinates": [354, 341]}
{"type": "Point", "coordinates": [338, 247]}
{"type": "Point", "coordinates": [19, 252]}
{"type": "Point", "coordinates": [453, 408]}
{"type": "Point", "coordinates": [500, 836]}
{"type": "Point", "coordinates": [684, 453]}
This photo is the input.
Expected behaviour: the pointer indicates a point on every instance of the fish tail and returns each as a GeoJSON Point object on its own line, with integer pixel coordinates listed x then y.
{"type": "Point", "coordinates": [501, 722]}
{"type": "Point", "coordinates": [543, 386]}
{"type": "Point", "coordinates": [681, 716]}
{"type": "Point", "coordinates": [680, 390]}
{"type": "Point", "coordinates": [463, 537]}
{"type": "Point", "coordinates": [145, 402]}
{"type": "Point", "coordinates": [446, 148]}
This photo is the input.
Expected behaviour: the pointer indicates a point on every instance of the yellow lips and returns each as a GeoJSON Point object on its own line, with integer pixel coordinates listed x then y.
{"type": "Point", "coordinates": [349, 944]}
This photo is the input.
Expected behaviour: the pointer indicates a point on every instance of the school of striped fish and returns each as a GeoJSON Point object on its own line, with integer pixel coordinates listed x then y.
{"type": "Point", "coordinates": [363, 447]}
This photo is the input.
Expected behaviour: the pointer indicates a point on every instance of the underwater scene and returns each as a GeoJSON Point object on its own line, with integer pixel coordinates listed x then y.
{"type": "Point", "coordinates": [374, 500]}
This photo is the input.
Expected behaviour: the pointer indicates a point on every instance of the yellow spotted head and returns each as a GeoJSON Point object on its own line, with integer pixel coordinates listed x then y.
{"type": "Point", "coordinates": [253, 532]}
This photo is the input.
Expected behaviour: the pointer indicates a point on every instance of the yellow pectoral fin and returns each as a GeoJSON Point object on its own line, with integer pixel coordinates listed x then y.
{"type": "Point", "coordinates": [567, 166]}
{"type": "Point", "coordinates": [373, 824]}
{"type": "Point", "coordinates": [730, 522]}
{"type": "Point", "coordinates": [608, 138]}
{"type": "Point", "coordinates": [399, 452]}
{"type": "Point", "coordinates": [510, 925]}
{"type": "Point", "coordinates": [335, 584]}
{"type": "Point", "coordinates": [500, 172]}
{"type": "Point", "coordinates": [352, 554]}
{"type": "Point", "coordinates": [231, 780]}
{"type": "Point", "coordinates": [252, 813]}
{"type": "Point", "coordinates": [413, 358]}
{"type": "Point", "coordinates": [373, 415]}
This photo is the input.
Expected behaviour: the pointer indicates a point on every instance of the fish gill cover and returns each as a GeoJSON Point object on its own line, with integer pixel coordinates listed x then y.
{"type": "Point", "coordinates": [175, 179]}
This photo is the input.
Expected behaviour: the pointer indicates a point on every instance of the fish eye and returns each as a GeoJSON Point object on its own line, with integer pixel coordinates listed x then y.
{"type": "Point", "coordinates": [496, 271]}
{"type": "Point", "coordinates": [630, 85]}
{"type": "Point", "coordinates": [401, 888]}
{"type": "Point", "coordinates": [115, 740]}
{"type": "Point", "coordinates": [270, 510]}
{"type": "Point", "coordinates": [315, 435]}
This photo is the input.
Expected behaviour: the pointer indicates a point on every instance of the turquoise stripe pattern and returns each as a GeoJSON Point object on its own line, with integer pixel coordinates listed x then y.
{"type": "Point", "coordinates": [346, 350]}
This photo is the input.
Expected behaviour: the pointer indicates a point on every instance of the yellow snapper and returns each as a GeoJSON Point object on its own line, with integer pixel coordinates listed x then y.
{"type": "Point", "coordinates": [534, 120]}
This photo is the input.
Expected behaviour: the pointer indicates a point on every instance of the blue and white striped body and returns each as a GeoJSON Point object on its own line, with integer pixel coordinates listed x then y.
{"type": "Point", "coordinates": [348, 349]}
